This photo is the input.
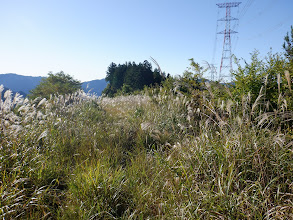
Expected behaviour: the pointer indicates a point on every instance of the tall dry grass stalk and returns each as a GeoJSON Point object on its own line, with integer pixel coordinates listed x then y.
{"type": "Point", "coordinates": [279, 82]}
{"type": "Point", "coordinates": [155, 156]}
{"type": "Point", "coordinates": [288, 78]}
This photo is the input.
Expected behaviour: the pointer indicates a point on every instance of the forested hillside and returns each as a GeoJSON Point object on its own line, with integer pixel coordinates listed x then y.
{"type": "Point", "coordinates": [129, 77]}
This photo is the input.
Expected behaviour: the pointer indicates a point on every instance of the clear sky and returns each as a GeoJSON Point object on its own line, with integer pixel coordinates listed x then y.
{"type": "Point", "coordinates": [82, 37]}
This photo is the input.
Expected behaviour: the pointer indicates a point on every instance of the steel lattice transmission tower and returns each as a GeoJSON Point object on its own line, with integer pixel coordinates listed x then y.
{"type": "Point", "coordinates": [226, 61]}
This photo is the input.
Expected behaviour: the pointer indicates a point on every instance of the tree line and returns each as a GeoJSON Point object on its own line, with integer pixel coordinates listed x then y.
{"type": "Point", "coordinates": [130, 77]}
{"type": "Point", "coordinates": [274, 74]}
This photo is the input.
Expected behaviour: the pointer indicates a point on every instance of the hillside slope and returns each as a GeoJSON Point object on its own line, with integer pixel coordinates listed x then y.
{"type": "Point", "coordinates": [23, 84]}
{"type": "Point", "coordinates": [19, 83]}
{"type": "Point", "coordinates": [94, 86]}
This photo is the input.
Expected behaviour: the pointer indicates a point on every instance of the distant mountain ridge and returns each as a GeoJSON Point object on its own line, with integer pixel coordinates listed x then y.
{"type": "Point", "coordinates": [19, 83]}
{"type": "Point", "coordinates": [94, 86]}
{"type": "Point", "coordinates": [23, 84]}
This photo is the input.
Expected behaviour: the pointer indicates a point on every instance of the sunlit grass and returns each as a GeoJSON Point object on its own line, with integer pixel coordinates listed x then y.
{"type": "Point", "coordinates": [158, 155]}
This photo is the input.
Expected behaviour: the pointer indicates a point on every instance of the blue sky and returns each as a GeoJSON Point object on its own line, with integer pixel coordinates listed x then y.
{"type": "Point", "coordinates": [82, 37]}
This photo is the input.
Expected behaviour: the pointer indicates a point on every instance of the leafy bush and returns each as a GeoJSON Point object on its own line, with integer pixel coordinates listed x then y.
{"type": "Point", "coordinates": [272, 75]}
{"type": "Point", "coordinates": [60, 83]}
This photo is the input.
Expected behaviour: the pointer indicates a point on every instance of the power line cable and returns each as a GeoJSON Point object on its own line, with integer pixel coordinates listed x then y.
{"type": "Point", "coordinates": [235, 27]}
{"type": "Point", "coordinates": [269, 6]}
{"type": "Point", "coordinates": [216, 38]}
{"type": "Point", "coordinates": [271, 28]}
{"type": "Point", "coordinates": [212, 68]}
{"type": "Point", "coordinates": [245, 8]}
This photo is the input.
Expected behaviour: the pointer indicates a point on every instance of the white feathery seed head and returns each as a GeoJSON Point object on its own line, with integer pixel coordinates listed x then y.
{"type": "Point", "coordinates": [43, 101]}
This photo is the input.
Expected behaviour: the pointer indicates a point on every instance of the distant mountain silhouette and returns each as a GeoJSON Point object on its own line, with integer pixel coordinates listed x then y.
{"type": "Point", "coordinates": [19, 83]}
{"type": "Point", "coordinates": [23, 84]}
{"type": "Point", "coordinates": [95, 86]}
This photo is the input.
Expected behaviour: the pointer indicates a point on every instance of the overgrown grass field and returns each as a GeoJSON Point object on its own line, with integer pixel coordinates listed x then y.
{"type": "Point", "coordinates": [156, 155]}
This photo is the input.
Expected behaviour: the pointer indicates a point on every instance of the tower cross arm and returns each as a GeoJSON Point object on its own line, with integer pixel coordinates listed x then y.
{"type": "Point", "coordinates": [228, 4]}
{"type": "Point", "coordinates": [228, 18]}
{"type": "Point", "coordinates": [227, 31]}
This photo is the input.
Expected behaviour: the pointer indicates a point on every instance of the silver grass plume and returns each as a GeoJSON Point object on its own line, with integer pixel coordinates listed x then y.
{"type": "Point", "coordinates": [158, 66]}
{"type": "Point", "coordinates": [1, 90]}
{"type": "Point", "coordinates": [279, 83]}
{"type": "Point", "coordinates": [287, 75]}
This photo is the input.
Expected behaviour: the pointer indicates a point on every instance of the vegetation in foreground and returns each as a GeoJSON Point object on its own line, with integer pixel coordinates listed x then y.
{"type": "Point", "coordinates": [155, 155]}
{"type": "Point", "coordinates": [185, 150]}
